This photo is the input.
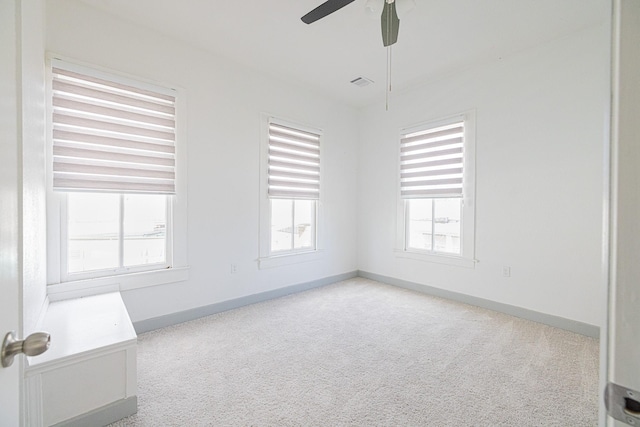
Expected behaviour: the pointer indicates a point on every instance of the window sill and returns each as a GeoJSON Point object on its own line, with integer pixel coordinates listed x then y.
{"type": "Point", "coordinates": [119, 283]}
{"type": "Point", "coordinates": [288, 259]}
{"type": "Point", "coordinates": [437, 258]}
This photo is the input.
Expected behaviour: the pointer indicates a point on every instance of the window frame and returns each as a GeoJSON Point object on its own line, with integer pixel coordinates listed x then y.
{"type": "Point", "coordinates": [293, 250]}
{"type": "Point", "coordinates": [466, 258]}
{"type": "Point", "coordinates": [407, 214]}
{"type": "Point", "coordinates": [66, 276]}
{"type": "Point", "coordinates": [268, 258]}
{"type": "Point", "coordinates": [178, 270]}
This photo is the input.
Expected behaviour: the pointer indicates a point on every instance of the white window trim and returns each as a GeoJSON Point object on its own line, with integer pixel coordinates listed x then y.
{"type": "Point", "coordinates": [467, 255]}
{"type": "Point", "coordinates": [266, 258]}
{"type": "Point", "coordinates": [118, 283]}
{"type": "Point", "coordinates": [56, 202]}
{"type": "Point", "coordinates": [294, 251]}
{"type": "Point", "coordinates": [107, 272]}
{"type": "Point", "coordinates": [158, 136]}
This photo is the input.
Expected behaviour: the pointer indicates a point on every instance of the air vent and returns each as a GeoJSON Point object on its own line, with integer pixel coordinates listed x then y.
{"type": "Point", "coordinates": [362, 81]}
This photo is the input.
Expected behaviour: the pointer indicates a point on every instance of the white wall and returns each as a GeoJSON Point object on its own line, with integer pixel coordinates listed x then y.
{"type": "Point", "coordinates": [539, 182]}
{"type": "Point", "coordinates": [540, 132]}
{"type": "Point", "coordinates": [224, 102]}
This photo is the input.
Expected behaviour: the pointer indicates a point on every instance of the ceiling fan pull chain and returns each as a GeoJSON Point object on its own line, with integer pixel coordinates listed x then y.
{"type": "Point", "coordinates": [388, 76]}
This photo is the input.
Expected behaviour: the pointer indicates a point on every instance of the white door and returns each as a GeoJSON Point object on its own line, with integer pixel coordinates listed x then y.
{"type": "Point", "coordinates": [9, 185]}
{"type": "Point", "coordinates": [624, 280]}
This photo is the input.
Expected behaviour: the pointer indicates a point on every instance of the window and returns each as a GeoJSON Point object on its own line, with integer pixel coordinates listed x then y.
{"type": "Point", "coordinates": [110, 137]}
{"type": "Point", "coordinates": [292, 225]}
{"type": "Point", "coordinates": [436, 190]}
{"type": "Point", "coordinates": [115, 232]}
{"type": "Point", "coordinates": [112, 172]}
{"type": "Point", "coordinates": [293, 187]}
{"type": "Point", "coordinates": [291, 178]}
{"type": "Point", "coordinates": [434, 224]}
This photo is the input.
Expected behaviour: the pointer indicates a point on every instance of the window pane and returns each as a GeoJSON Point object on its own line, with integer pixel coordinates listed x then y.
{"type": "Point", "coordinates": [93, 228]}
{"type": "Point", "coordinates": [420, 225]}
{"type": "Point", "coordinates": [447, 225]}
{"type": "Point", "coordinates": [281, 225]}
{"type": "Point", "coordinates": [304, 224]}
{"type": "Point", "coordinates": [145, 229]}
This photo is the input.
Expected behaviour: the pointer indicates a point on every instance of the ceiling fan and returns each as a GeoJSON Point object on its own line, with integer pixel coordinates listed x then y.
{"type": "Point", "coordinates": [389, 20]}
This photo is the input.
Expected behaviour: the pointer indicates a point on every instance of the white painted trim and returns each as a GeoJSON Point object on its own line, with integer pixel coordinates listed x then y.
{"type": "Point", "coordinates": [468, 232]}
{"type": "Point", "coordinates": [290, 258]}
{"type": "Point", "coordinates": [34, 406]}
{"type": "Point", "coordinates": [54, 200]}
{"type": "Point", "coordinates": [131, 387]}
{"type": "Point", "coordinates": [441, 121]}
{"type": "Point", "coordinates": [294, 124]}
{"type": "Point", "coordinates": [623, 346]}
{"type": "Point", "coordinates": [73, 359]}
{"type": "Point", "coordinates": [266, 259]}
{"type": "Point", "coordinates": [119, 283]}
{"type": "Point", "coordinates": [177, 230]}
{"type": "Point", "coordinates": [264, 203]}
{"type": "Point", "coordinates": [437, 258]}
{"type": "Point", "coordinates": [122, 269]}
{"type": "Point", "coordinates": [606, 224]}
{"type": "Point", "coordinates": [100, 416]}
{"type": "Point", "coordinates": [115, 341]}
{"type": "Point", "coordinates": [179, 208]}
{"type": "Point", "coordinates": [73, 64]}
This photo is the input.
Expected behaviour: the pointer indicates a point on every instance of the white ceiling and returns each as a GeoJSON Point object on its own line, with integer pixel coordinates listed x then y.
{"type": "Point", "coordinates": [436, 37]}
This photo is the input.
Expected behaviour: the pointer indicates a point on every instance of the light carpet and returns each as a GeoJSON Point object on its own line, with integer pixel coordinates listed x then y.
{"type": "Point", "coordinates": [362, 353]}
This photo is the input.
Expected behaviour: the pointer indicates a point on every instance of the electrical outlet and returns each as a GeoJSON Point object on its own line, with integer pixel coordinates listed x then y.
{"type": "Point", "coordinates": [234, 268]}
{"type": "Point", "coordinates": [506, 271]}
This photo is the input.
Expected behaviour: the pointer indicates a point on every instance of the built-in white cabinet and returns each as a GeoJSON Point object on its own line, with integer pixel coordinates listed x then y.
{"type": "Point", "coordinates": [88, 375]}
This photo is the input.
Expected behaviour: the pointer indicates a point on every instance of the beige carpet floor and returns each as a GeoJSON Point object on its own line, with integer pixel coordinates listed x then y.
{"type": "Point", "coordinates": [361, 353]}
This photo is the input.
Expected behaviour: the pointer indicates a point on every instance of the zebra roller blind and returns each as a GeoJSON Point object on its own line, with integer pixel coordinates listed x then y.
{"type": "Point", "coordinates": [294, 163]}
{"type": "Point", "coordinates": [109, 136]}
{"type": "Point", "coordinates": [431, 162]}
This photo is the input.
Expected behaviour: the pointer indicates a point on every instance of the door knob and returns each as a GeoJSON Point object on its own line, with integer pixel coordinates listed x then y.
{"type": "Point", "coordinates": [35, 344]}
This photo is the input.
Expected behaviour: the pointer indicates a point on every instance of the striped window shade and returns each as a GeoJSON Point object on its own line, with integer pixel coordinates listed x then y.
{"type": "Point", "coordinates": [109, 136]}
{"type": "Point", "coordinates": [431, 162]}
{"type": "Point", "coordinates": [294, 163]}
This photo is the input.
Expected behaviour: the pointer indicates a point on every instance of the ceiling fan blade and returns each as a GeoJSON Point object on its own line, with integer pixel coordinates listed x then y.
{"type": "Point", "coordinates": [324, 9]}
{"type": "Point", "coordinates": [390, 24]}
